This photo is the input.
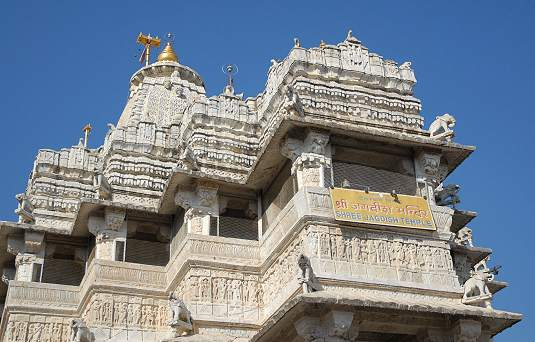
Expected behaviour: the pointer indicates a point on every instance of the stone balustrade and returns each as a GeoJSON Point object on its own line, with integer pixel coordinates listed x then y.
{"type": "Point", "coordinates": [61, 297]}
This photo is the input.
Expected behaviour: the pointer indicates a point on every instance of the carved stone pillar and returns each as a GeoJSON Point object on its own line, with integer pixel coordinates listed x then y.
{"type": "Point", "coordinates": [109, 231]}
{"type": "Point", "coordinates": [200, 203]}
{"type": "Point", "coordinates": [466, 330]}
{"type": "Point", "coordinates": [427, 167]}
{"type": "Point", "coordinates": [311, 158]}
{"type": "Point", "coordinates": [29, 251]}
{"type": "Point", "coordinates": [335, 326]}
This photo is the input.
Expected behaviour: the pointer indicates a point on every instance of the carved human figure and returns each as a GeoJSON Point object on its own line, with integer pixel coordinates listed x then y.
{"type": "Point", "coordinates": [134, 316]}
{"type": "Point", "coordinates": [355, 246]}
{"type": "Point", "coordinates": [204, 289]}
{"type": "Point", "coordinates": [106, 312]}
{"type": "Point", "coordinates": [10, 331]}
{"type": "Point", "coordinates": [397, 251]}
{"type": "Point", "coordinates": [34, 332]}
{"type": "Point", "coordinates": [372, 252]}
{"type": "Point", "coordinates": [123, 309]}
{"type": "Point", "coordinates": [194, 288]}
{"type": "Point", "coordinates": [236, 286]}
{"type": "Point", "coordinates": [57, 329]}
{"type": "Point", "coordinates": [364, 250]}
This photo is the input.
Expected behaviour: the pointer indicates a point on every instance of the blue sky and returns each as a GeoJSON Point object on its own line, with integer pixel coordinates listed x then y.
{"type": "Point", "coordinates": [66, 63]}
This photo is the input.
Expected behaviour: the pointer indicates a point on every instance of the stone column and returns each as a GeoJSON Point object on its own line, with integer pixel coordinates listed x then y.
{"type": "Point", "coordinates": [429, 174]}
{"type": "Point", "coordinates": [335, 326]}
{"type": "Point", "coordinates": [108, 230]}
{"type": "Point", "coordinates": [200, 203]}
{"type": "Point", "coordinates": [466, 330]}
{"type": "Point", "coordinates": [311, 158]}
{"type": "Point", "coordinates": [30, 253]}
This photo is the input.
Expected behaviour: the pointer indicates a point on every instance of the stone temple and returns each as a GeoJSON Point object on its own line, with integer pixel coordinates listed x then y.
{"type": "Point", "coordinates": [315, 211]}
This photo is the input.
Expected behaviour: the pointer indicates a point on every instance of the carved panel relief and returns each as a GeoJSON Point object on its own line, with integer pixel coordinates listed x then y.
{"type": "Point", "coordinates": [29, 328]}
{"type": "Point", "coordinates": [224, 294]}
{"type": "Point", "coordinates": [380, 256]}
{"type": "Point", "coordinates": [127, 311]}
{"type": "Point", "coordinates": [281, 279]}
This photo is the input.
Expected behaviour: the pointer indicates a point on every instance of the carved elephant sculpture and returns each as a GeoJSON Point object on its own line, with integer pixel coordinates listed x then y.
{"type": "Point", "coordinates": [477, 285]}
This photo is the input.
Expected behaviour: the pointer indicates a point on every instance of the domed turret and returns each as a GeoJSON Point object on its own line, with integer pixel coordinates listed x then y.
{"type": "Point", "coordinates": [161, 91]}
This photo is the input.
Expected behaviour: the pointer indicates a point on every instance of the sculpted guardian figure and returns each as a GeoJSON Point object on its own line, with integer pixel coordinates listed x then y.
{"type": "Point", "coordinates": [180, 316]}
{"type": "Point", "coordinates": [79, 331]}
{"type": "Point", "coordinates": [306, 275]}
{"type": "Point", "coordinates": [292, 103]}
{"type": "Point", "coordinates": [447, 195]}
{"type": "Point", "coordinates": [441, 128]}
{"type": "Point", "coordinates": [25, 209]}
{"type": "Point", "coordinates": [464, 237]}
{"type": "Point", "coordinates": [476, 290]}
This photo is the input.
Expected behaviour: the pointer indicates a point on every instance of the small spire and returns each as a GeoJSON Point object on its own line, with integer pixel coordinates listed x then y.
{"type": "Point", "coordinates": [322, 44]}
{"type": "Point", "coordinates": [230, 70]}
{"type": "Point", "coordinates": [87, 130]}
{"type": "Point", "coordinates": [297, 42]}
{"type": "Point", "coordinates": [168, 54]}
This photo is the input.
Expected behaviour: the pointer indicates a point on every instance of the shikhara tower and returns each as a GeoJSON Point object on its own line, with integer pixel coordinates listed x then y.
{"type": "Point", "coordinates": [210, 218]}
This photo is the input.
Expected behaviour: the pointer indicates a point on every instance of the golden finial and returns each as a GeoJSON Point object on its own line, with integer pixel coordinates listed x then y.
{"type": "Point", "coordinates": [148, 42]}
{"type": "Point", "coordinates": [87, 129]}
{"type": "Point", "coordinates": [297, 42]}
{"type": "Point", "coordinates": [322, 44]}
{"type": "Point", "coordinates": [168, 54]}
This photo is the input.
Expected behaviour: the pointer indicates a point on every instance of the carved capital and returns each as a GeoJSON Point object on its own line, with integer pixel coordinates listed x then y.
{"type": "Point", "coordinates": [316, 143]}
{"type": "Point", "coordinates": [334, 326]}
{"type": "Point", "coordinates": [114, 218]}
{"type": "Point", "coordinates": [291, 148]}
{"type": "Point", "coordinates": [339, 324]}
{"type": "Point", "coordinates": [201, 196]}
{"type": "Point", "coordinates": [24, 259]}
{"type": "Point", "coordinates": [427, 165]}
{"type": "Point", "coordinates": [33, 241]}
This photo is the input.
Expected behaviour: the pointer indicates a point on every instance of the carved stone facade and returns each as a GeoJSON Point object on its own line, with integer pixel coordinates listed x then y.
{"type": "Point", "coordinates": [210, 218]}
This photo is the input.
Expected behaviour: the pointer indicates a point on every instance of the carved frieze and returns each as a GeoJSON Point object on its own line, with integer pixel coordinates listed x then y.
{"type": "Point", "coordinates": [381, 257]}
{"type": "Point", "coordinates": [26, 328]}
{"type": "Point", "coordinates": [127, 311]}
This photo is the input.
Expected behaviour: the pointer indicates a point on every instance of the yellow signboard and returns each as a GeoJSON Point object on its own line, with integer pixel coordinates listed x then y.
{"type": "Point", "coordinates": [382, 209]}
